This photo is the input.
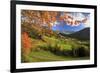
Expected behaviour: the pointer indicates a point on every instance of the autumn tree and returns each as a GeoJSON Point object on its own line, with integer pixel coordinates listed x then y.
{"type": "Point", "coordinates": [39, 18]}
{"type": "Point", "coordinates": [26, 43]}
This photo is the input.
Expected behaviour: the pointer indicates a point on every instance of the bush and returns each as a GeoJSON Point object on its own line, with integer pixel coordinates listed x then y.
{"type": "Point", "coordinates": [43, 47]}
{"type": "Point", "coordinates": [83, 51]}
{"type": "Point", "coordinates": [80, 51]}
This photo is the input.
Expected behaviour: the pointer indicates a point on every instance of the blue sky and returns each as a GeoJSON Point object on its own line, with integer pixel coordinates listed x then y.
{"type": "Point", "coordinates": [62, 26]}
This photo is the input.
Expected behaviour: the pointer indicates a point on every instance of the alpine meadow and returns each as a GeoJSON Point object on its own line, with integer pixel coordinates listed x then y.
{"type": "Point", "coordinates": [54, 36]}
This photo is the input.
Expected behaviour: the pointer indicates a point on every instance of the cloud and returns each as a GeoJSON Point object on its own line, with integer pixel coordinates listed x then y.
{"type": "Point", "coordinates": [74, 19]}
{"type": "Point", "coordinates": [77, 18]}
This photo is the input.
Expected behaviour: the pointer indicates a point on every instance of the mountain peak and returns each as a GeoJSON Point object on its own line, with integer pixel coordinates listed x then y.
{"type": "Point", "coordinates": [82, 34]}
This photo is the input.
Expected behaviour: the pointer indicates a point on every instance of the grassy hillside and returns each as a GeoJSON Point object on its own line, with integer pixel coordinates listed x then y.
{"type": "Point", "coordinates": [47, 45]}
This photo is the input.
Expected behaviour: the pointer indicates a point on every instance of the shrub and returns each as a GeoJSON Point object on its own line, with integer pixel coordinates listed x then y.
{"type": "Point", "coordinates": [26, 43]}
{"type": "Point", "coordinates": [43, 47]}
{"type": "Point", "coordinates": [83, 51]}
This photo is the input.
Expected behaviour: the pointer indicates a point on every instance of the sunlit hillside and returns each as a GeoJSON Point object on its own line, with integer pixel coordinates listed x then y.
{"type": "Point", "coordinates": [49, 36]}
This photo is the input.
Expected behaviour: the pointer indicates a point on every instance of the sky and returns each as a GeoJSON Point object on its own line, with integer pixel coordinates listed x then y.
{"type": "Point", "coordinates": [63, 26]}
{"type": "Point", "coordinates": [68, 21]}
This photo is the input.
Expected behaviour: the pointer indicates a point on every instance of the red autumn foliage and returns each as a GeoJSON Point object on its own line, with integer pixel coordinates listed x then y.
{"type": "Point", "coordinates": [26, 42]}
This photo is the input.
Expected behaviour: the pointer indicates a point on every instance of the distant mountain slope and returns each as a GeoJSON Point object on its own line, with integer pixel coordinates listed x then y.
{"type": "Point", "coordinates": [82, 34]}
